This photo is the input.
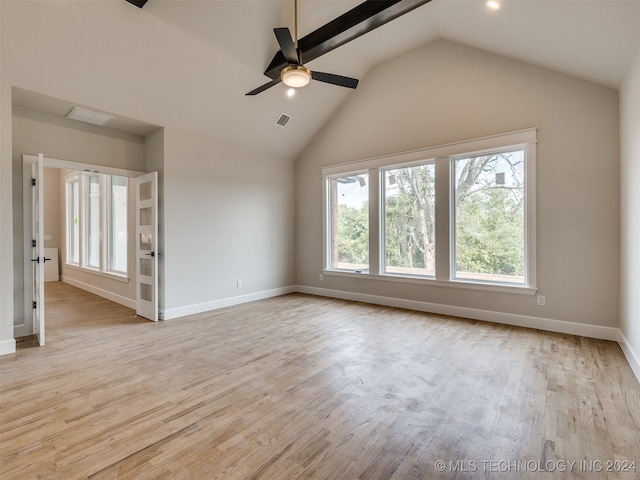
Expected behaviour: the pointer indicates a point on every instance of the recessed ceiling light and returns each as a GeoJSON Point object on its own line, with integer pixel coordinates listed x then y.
{"type": "Point", "coordinates": [291, 92]}
{"type": "Point", "coordinates": [493, 4]}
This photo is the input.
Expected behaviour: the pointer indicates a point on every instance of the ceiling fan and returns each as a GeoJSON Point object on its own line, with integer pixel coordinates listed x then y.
{"type": "Point", "coordinates": [296, 75]}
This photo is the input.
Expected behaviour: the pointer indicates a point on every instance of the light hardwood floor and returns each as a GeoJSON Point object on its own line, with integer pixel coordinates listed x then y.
{"type": "Point", "coordinates": [304, 387]}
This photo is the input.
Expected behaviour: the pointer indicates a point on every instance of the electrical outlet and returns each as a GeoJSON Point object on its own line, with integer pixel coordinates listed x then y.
{"type": "Point", "coordinates": [321, 277]}
{"type": "Point", "coordinates": [542, 301]}
{"type": "Point", "coordinates": [239, 283]}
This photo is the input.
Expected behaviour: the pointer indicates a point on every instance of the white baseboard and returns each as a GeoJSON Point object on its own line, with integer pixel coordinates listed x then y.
{"type": "Point", "coordinates": [582, 329]}
{"type": "Point", "coordinates": [127, 302]}
{"type": "Point", "coordinates": [171, 313]}
{"type": "Point", "coordinates": [8, 346]}
{"type": "Point", "coordinates": [633, 357]}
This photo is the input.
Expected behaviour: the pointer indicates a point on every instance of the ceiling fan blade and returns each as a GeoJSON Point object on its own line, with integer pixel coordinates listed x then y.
{"type": "Point", "coordinates": [283, 35]}
{"type": "Point", "coordinates": [262, 88]}
{"type": "Point", "coordinates": [335, 79]}
{"type": "Point", "coordinates": [137, 3]}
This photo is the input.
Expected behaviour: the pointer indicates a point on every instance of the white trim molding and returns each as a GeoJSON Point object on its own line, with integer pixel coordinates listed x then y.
{"type": "Point", "coordinates": [8, 346]}
{"type": "Point", "coordinates": [178, 312]}
{"type": "Point", "coordinates": [633, 357]}
{"type": "Point", "coordinates": [473, 146]}
{"type": "Point", "coordinates": [68, 165]}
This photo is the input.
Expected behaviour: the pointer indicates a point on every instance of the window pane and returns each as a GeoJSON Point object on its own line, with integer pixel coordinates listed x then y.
{"type": "Point", "coordinates": [146, 293]}
{"type": "Point", "coordinates": [73, 219]}
{"type": "Point", "coordinates": [93, 220]}
{"type": "Point", "coordinates": [118, 224]}
{"type": "Point", "coordinates": [145, 216]}
{"type": "Point", "coordinates": [350, 222]}
{"type": "Point", "coordinates": [146, 267]}
{"type": "Point", "coordinates": [489, 218]}
{"type": "Point", "coordinates": [409, 209]}
{"type": "Point", "coordinates": [145, 191]}
{"type": "Point", "coordinates": [146, 241]}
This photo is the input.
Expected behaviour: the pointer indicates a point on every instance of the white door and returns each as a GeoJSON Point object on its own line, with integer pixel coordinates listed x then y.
{"type": "Point", "coordinates": [37, 258]}
{"type": "Point", "coordinates": [147, 245]}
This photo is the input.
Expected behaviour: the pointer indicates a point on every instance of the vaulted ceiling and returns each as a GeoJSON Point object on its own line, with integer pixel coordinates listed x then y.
{"type": "Point", "coordinates": [197, 59]}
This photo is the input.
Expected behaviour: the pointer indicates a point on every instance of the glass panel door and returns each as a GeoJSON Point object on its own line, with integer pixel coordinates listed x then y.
{"type": "Point", "coordinates": [146, 246]}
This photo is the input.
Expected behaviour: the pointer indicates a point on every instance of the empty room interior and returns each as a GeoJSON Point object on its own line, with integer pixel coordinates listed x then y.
{"type": "Point", "coordinates": [312, 239]}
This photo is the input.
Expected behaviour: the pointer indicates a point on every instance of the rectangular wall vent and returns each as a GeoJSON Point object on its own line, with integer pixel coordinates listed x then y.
{"type": "Point", "coordinates": [283, 120]}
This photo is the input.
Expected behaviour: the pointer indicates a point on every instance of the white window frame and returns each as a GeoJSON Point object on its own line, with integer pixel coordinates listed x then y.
{"type": "Point", "coordinates": [443, 156]}
{"type": "Point", "coordinates": [329, 220]}
{"type": "Point", "coordinates": [453, 219]}
{"type": "Point", "coordinates": [86, 236]}
{"type": "Point", "coordinates": [104, 182]}
{"type": "Point", "coordinates": [383, 219]}
{"type": "Point", "coordinates": [70, 181]}
{"type": "Point", "coordinates": [108, 213]}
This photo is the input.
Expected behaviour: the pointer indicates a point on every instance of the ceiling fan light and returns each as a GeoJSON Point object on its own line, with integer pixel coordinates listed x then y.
{"type": "Point", "coordinates": [295, 76]}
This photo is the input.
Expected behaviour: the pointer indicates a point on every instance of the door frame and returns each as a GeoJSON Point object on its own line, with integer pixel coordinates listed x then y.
{"type": "Point", "coordinates": [37, 250]}
{"type": "Point", "coordinates": [26, 328]}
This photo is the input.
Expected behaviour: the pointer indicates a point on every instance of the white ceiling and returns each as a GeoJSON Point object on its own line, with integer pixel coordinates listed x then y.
{"type": "Point", "coordinates": [233, 42]}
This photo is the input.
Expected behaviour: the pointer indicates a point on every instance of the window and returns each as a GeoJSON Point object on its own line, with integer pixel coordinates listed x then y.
{"type": "Point", "coordinates": [409, 220]}
{"type": "Point", "coordinates": [461, 214]}
{"type": "Point", "coordinates": [350, 222]}
{"type": "Point", "coordinates": [489, 217]}
{"type": "Point", "coordinates": [73, 220]}
{"type": "Point", "coordinates": [117, 225]}
{"type": "Point", "coordinates": [93, 220]}
{"type": "Point", "coordinates": [97, 222]}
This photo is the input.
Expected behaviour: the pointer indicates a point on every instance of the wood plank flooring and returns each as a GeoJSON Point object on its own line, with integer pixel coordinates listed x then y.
{"type": "Point", "coordinates": [302, 387]}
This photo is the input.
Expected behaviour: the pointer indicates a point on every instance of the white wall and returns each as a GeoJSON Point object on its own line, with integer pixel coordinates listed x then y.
{"type": "Point", "coordinates": [7, 343]}
{"type": "Point", "coordinates": [445, 92]}
{"type": "Point", "coordinates": [630, 214]}
{"type": "Point", "coordinates": [228, 216]}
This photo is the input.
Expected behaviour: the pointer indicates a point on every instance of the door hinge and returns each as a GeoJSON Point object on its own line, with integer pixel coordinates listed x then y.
{"type": "Point", "coordinates": [35, 304]}
{"type": "Point", "coordinates": [33, 182]}
{"type": "Point", "coordinates": [33, 243]}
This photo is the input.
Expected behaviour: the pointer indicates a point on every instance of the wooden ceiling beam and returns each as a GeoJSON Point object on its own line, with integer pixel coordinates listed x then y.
{"type": "Point", "coordinates": [356, 22]}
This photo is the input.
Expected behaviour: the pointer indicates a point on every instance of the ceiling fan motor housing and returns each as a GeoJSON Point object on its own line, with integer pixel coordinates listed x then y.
{"type": "Point", "coordinates": [295, 76]}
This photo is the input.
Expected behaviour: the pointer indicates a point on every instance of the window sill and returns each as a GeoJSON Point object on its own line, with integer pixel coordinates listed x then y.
{"type": "Point", "coordinates": [113, 276]}
{"type": "Point", "coordinates": [487, 287]}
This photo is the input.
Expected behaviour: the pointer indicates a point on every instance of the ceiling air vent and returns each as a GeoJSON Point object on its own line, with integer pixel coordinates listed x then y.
{"type": "Point", "coordinates": [84, 115]}
{"type": "Point", "coordinates": [283, 120]}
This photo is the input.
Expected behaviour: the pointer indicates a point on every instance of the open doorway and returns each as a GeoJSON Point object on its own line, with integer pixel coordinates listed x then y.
{"type": "Point", "coordinates": [93, 226]}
